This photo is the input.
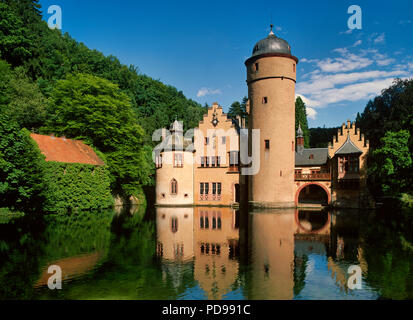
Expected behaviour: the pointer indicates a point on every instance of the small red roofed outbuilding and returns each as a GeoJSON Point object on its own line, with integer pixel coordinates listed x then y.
{"type": "Point", "coordinates": [66, 150]}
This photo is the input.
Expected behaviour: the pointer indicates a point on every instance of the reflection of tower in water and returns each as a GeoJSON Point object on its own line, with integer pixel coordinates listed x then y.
{"type": "Point", "coordinates": [272, 249]}
{"type": "Point", "coordinates": [174, 228]}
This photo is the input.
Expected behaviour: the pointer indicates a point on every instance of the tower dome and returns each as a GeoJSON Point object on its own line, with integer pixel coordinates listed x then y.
{"type": "Point", "coordinates": [271, 44]}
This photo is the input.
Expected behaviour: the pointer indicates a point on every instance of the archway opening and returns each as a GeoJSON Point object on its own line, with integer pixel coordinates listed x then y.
{"type": "Point", "coordinates": [313, 221]}
{"type": "Point", "coordinates": [313, 195]}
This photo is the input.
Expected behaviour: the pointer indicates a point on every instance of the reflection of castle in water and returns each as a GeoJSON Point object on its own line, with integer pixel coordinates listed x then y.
{"type": "Point", "coordinates": [277, 244]}
{"type": "Point", "coordinates": [209, 236]}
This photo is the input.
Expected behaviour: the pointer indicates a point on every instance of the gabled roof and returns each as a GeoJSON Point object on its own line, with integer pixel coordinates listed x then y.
{"type": "Point", "coordinates": [348, 148]}
{"type": "Point", "coordinates": [66, 150]}
{"type": "Point", "coordinates": [319, 157]}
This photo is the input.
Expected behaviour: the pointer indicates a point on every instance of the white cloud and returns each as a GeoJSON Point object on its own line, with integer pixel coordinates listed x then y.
{"type": "Point", "coordinates": [347, 62]}
{"type": "Point", "coordinates": [320, 82]}
{"type": "Point", "coordinates": [311, 112]}
{"type": "Point", "coordinates": [349, 31]}
{"type": "Point", "coordinates": [277, 28]}
{"type": "Point", "coordinates": [351, 92]}
{"type": "Point", "coordinates": [403, 22]}
{"type": "Point", "coordinates": [207, 91]}
{"type": "Point", "coordinates": [357, 43]}
{"type": "Point", "coordinates": [337, 80]}
{"type": "Point", "coordinates": [380, 39]}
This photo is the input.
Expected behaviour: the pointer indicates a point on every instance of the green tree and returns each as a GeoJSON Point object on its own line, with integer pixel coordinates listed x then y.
{"type": "Point", "coordinates": [390, 111]}
{"type": "Point", "coordinates": [301, 119]}
{"type": "Point", "coordinates": [392, 163]}
{"type": "Point", "coordinates": [238, 109]}
{"type": "Point", "coordinates": [22, 99]}
{"type": "Point", "coordinates": [96, 111]}
{"type": "Point", "coordinates": [21, 171]}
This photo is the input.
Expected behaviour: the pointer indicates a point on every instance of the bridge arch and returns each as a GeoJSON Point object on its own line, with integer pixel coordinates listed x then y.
{"type": "Point", "coordinates": [319, 230]}
{"type": "Point", "coordinates": [311, 188]}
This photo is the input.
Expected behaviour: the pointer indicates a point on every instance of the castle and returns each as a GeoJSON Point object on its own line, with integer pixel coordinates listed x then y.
{"type": "Point", "coordinates": [206, 168]}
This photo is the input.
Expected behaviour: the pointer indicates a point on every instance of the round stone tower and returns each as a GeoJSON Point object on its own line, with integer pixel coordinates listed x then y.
{"type": "Point", "coordinates": [271, 77]}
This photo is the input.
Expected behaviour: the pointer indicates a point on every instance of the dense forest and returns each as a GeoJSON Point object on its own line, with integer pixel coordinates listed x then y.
{"type": "Point", "coordinates": [52, 84]}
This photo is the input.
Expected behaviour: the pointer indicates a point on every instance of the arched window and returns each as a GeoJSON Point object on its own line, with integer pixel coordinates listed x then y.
{"type": "Point", "coordinates": [174, 186]}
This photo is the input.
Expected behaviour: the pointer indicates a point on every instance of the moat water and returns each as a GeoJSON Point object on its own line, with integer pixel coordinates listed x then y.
{"type": "Point", "coordinates": [204, 253]}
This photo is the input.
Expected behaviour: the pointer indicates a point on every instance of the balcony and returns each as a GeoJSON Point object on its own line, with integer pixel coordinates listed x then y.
{"type": "Point", "coordinates": [321, 176]}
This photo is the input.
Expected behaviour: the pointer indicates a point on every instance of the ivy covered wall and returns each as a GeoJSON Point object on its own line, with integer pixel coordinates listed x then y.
{"type": "Point", "coordinates": [76, 187]}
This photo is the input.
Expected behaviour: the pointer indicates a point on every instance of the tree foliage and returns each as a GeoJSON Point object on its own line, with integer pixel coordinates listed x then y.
{"type": "Point", "coordinates": [37, 60]}
{"type": "Point", "coordinates": [301, 119]}
{"type": "Point", "coordinates": [94, 110]}
{"type": "Point", "coordinates": [387, 121]}
{"type": "Point", "coordinates": [238, 109]}
{"type": "Point", "coordinates": [392, 163]}
{"type": "Point", "coordinates": [21, 99]}
{"type": "Point", "coordinates": [21, 171]}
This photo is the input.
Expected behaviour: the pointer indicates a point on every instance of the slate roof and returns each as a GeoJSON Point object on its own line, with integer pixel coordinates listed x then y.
{"type": "Point", "coordinates": [271, 44]}
{"type": "Point", "coordinates": [348, 148]}
{"type": "Point", "coordinates": [66, 150]}
{"type": "Point", "coordinates": [320, 157]}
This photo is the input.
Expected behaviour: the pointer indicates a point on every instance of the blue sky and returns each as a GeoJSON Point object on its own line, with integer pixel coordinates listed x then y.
{"type": "Point", "coordinates": [200, 47]}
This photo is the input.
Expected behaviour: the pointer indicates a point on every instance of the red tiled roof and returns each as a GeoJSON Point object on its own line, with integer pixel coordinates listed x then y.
{"type": "Point", "coordinates": [66, 150]}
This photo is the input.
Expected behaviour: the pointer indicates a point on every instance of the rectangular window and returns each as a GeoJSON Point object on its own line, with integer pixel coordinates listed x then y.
{"type": "Point", "coordinates": [178, 160]}
{"type": "Point", "coordinates": [224, 140]}
{"type": "Point", "coordinates": [293, 67]}
{"type": "Point", "coordinates": [256, 67]}
{"type": "Point", "coordinates": [213, 161]}
{"type": "Point", "coordinates": [265, 100]}
{"type": "Point", "coordinates": [233, 161]}
{"type": "Point", "coordinates": [267, 144]}
{"type": "Point", "coordinates": [159, 161]}
{"type": "Point", "coordinates": [219, 188]}
{"type": "Point", "coordinates": [202, 162]}
{"type": "Point", "coordinates": [206, 141]}
{"type": "Point", "coordinates": [233, 158]}
{"type": "Point", "coordinates": [201, 188]}
{"type": "Point", "coordinates": [218, 161]}
{"type": "Point", "coordinates": [214, 188]}
{"type": "Point", "coordinates": [207, 161]}
{"type": "Point", "coordinates": [206, 184]}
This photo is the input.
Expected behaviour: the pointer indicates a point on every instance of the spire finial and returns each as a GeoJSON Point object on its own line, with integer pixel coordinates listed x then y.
{"type": "Point", "coordinates": [272, 26]}
{"type": "Point", "coordinates": [299, 131]}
